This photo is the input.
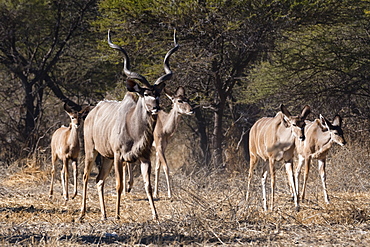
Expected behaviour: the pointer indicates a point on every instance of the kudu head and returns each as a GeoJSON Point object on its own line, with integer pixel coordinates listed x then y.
{"type": "Point", "coordinates": [334, 128]}
{"type": "Point", "coordinates": [180, 102]}
{"type": "Point", "coordinates": [149, 93]}
{"type": "Point", "coordinates": [296, 123]}
{"type": "Point", "coordinates": [76, 116]}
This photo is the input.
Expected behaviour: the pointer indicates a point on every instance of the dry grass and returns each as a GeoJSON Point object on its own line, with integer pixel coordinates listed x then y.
{"type": "Point", "coordinates": [208, 208]}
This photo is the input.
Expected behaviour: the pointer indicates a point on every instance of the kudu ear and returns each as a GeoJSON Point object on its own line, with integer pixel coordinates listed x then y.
{"type": "Point", "coordinates": [168, 93]}
{"type": "Point", "coordinates": [337, 121]}
{"type": "Point", "coordinates": [286, 115]}
{"type": "Point", "coordinates": [132, 86]}
{"type": "Point", "coordinates": [305, 112]}
{"type": "Point", "coordinates": [325, 123]}
{"type": "Point", "coordinates": [180, 92]}
{"type": "Point", "coordinates": [159, 87]}
{"type": "Point", "coordinates": [85, 110]}
{"type": "Point", "coordinates": [284, 110]}
{"type": "Point", "coordinates": [67, 108]}
{"type": "Point", "coordinates": [286, 121]}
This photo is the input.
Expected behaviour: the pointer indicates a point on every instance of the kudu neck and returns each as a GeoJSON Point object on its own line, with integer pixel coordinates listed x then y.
{"type": "Point", "coordinates": [286, 132]}
{"type": "Point", "coordinates": [171, 121]}
{"type": "Point", "coordinates": [73, 134]}
{"type": "Point", "coordinates": [141, 119]}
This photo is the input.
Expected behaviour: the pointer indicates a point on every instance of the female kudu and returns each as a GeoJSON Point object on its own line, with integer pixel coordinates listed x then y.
{"type": "Point", "coordinates": [65, 145]}
{"type": "Point", "coordinates": [273, 139]}
{"type": "Point", "coordinates": [320, 136]}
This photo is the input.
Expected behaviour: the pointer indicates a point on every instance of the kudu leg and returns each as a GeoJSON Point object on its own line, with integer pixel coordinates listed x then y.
{"type": "Point", "coordinates": [272, 175]}
{"type": "Point", "coordinates": [157, 171]}
{"type": "Point", "coordinates": [263, 181]}
{"type": "Point", "coordinates": [322, 164]}
{"type": "Point", "coordinates": [289, 171]}
{"type": "Point", "coordinates": [89, 159]}
{"type": "Point", "coordinates": [64, 175]}
{"type": "Point", "coordinates": [130, 177]}
{"type": "Point", "coordinates": [103, 174]}
{"type": "Point", "coordinates": [53, 161]}
{"type": "Point", "coordinates": [252, 164]}
{"type": "Point", "coordinates": [167, 174]}
{"type": "Point", "coordinates": [127, 166]}
{"type": "Point", "coordinates": [297, 173]}
{"type": "Point", "coordinates": [75, 174]}
{"type": "Point", "coordinates": [161, 159]}
{"type": "Point", "coordinates": [305, 176]}
{"type": "Point", "coordinates": [145, 172]}
{"type": "Point", "coordinates": [118, 168]}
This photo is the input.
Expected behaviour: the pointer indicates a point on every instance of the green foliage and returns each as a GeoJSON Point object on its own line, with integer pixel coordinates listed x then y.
{"type": "Point", "coordinates": [233, 54]}
{"type": "Point", "coordinates": [227, 45]}
{"type": "Point", "coordinates": [323, 65]}
{"type": "Point", "coordinates": [41, 47]}
{"type": "Point", "coordinates": [321, 62]}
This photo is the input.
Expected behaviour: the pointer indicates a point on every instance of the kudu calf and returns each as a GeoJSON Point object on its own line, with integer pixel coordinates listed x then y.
{"type": "Point", "coordinates": [320, 136]}
{"type": "Point", "coordinates": [123, 132]}
{"type": "Point", "coordinates": [273, 139]}
{"type": "Point", "coordinates": [164, 129]}
{"type": "Point", "coordinates": [65, 145]}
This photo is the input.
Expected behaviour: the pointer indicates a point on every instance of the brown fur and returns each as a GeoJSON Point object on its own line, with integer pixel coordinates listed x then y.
{"type": "Point", "coordinates": [164, 129]}
{"type": "Point", "coordinates": [122, 132]}
{"type": "Point", "coordinates": [320, 136]}
{"type": "Point", "coordinates": [272, 139]}
{"type": "Point", "coordinates": [65, 145]}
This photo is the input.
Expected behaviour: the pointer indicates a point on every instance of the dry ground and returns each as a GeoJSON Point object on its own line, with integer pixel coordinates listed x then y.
{"type": "Point", "coordinates": [208, 208]}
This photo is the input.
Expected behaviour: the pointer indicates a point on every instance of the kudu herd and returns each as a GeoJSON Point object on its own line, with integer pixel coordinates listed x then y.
{"type": "Point", "coordinates": [273, 139]}
{"type": "Point", "coordinates": [123, 132]}
{"type": "Point", "coordinates": [283, 136]}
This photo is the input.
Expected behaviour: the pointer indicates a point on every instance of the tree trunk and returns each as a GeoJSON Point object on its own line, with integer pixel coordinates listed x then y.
{"type": "Point", "coordinates": [217, 137]}
{"type": "Point", "coordinates": [218, 115]}
{"type": "Point", "coordinates": [202, 131]}
{"type": "Point", "coordinates": [29, 124]}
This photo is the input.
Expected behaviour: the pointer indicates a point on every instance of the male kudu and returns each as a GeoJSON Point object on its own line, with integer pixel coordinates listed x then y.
{"type": "Point", "coordinates": [65, 145]}
{"type": "Point", "coordinates": [273, 139]}
{"type": "Point", "coordinates": [123, 132]}
{"type": "Point", "coordinates": [320, 136]}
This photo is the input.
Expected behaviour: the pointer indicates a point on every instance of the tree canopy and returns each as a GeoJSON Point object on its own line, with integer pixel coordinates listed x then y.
{"type": "Point", "coordinates": [238, 59]}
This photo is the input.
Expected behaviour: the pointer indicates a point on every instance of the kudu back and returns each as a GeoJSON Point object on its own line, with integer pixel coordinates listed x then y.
{"type": "Point", "coordinates": [321, 134]}
{"type": "Point", "coordinates": [273, 139]}
{"type": "Point", "coordinates": [123, 132]}
{"type": "Point", "coordinates": [65, 145]}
